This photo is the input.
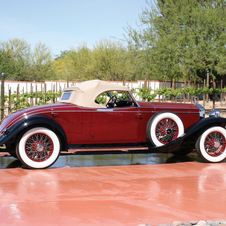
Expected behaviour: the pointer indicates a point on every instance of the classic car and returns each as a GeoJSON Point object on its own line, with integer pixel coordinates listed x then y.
{"type": "Point", "coordinates": [81, 122]}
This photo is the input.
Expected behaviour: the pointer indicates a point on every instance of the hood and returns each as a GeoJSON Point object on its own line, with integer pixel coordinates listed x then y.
{"type": "Point", "coordinates": [168, 106]}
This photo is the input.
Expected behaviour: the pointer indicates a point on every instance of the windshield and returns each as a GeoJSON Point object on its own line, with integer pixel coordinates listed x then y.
{"type": "Point", "coordinates": [115, 99]}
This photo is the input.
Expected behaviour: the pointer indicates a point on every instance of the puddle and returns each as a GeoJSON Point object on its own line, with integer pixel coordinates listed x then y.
{"type": "Point", "coordinates": [106, 160]}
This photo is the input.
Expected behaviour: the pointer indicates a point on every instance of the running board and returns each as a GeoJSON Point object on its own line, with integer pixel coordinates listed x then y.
{"type": "Point", "coordinates": [96, 149]}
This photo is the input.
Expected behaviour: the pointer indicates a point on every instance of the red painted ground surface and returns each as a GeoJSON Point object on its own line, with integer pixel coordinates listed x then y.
{"type": "Point", "coordinates": [113, 195]}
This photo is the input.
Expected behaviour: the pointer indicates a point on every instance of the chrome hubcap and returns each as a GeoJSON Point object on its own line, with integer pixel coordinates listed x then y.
{"type": "Point", "coordinates": [217, 144]}
{"type": "Point", "coordinates": [40, 147]}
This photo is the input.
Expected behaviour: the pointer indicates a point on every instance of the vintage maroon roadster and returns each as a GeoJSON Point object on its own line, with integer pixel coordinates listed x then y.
{"type": "Point", "coordinates": [37, 135]}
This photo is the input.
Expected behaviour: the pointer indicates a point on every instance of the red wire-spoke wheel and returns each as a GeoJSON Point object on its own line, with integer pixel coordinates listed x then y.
{"type": "Point", "coordinates": [38, 148]}
{"type": "Point", "coordinates": [163, 128]}
{"type": "Point", "coordinates": [166, 130]}
{"type": "Point", "coordinates": [215, 144]}
{"type": "Point", "coordinates": [211, 144]}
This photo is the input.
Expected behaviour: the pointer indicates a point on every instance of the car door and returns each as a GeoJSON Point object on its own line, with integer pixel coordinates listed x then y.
{"type": "Point", "coordinates": [116, 125]}
{"type": "Point", "coordinates": [75, 121]}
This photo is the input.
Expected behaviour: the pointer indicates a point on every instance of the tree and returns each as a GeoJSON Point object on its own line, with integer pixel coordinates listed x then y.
{"type": "Point", "coordinates": [60, 65]}
{"type": "Point", "coordinates": [107, 61]}
{"type": "Point", "coordinates": [112, 61]}
{"type": "Point", "coordinates": [181, 36]}
{"type": "Point", "coordinates": [6, 63]}
{"type": "Point", "coordinates": [81, 63]}
{"type": "Point", "coordinates": [19, 52]}
{"type": "Point", "coordinates": [41, 66]}
{"type": "Point", "coordinates": [23, 64]}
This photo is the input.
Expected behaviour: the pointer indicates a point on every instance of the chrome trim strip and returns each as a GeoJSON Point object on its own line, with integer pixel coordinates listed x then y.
{"type": "Point", "coordinates": [171, 109]}
{"type": "Point", "coordinates": [176, 112]}
{"type": "Point", "coordinates": [100, 110]}
{"type": "Point", "coordinates": [103, 109]}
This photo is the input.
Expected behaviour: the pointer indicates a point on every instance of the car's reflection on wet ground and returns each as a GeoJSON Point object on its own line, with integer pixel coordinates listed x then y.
{"type": "Point", "coordinates": [107, 160]}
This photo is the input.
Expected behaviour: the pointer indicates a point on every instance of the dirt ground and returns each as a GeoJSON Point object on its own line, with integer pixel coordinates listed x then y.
{"type": "Point", "coordinates": [113, 195]}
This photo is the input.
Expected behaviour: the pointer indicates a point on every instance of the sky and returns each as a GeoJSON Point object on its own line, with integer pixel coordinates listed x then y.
{"type": "Point", "coordinates": [63, 24]}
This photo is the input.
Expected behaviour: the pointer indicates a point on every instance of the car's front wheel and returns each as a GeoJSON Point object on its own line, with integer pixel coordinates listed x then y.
{"type": "Point", "coordinates": [211, 145]}
{"type": "Point", "coordinates": [38, 148]}
{"type": "Point", "coordinates": [163, 128]}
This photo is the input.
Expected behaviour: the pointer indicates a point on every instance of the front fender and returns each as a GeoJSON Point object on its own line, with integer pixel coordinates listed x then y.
{"type": "Point", "coordinates": [206, 123]}
{"type": "Point", "coordinates": [34, 121]}
{"type": "Point", "coordinates": [198, 127]}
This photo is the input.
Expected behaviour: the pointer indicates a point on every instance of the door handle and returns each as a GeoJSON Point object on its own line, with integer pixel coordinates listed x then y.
{"type": "Point", "coordinates": [54, 115]}
{"type": "Point", "coordinates": [139, 115]}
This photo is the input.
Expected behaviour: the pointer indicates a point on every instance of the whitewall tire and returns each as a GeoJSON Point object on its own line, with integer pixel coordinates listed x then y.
{"type": "Point", "coordinates": [38, 148]}
{"type": "Point", "coordinates": [164, 128]}
{"type": "Point", "coordinates": [211, 145]}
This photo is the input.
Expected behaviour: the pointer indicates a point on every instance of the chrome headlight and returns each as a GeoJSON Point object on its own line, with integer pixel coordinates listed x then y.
{"type": "Point", "coordinates": [201, 110]}
{"type": "Point", "coordinates": [215, 113]}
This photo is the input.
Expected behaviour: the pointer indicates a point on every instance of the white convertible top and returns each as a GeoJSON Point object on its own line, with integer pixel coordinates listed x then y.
{"type": "Point", "coordinates": [85, 93]}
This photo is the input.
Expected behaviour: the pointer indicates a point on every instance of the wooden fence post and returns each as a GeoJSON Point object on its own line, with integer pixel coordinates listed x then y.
{"type": "Point", "coordinates": [214, 87]}
{"type": "Point", "coordinates": [172, 98]}
{"type": "Point", "coordinates": [221, 96]}
{"type": "Point", "coordinates": [185, 84]}
{"type": "Point", "coordinates": [188, 94]}
{"type": "Point", "coordinates": [54, 92]}
{"type": "Point", "coordinates": [17, 93]}
{"type": "Point", "coordinates": [9, 107]}
{"type": "Point", "coordinates": [45, 92]}
{"type": "Point", "coordinates": [31, 99]}
{"type": "Point", "coordinates": [208, 85]}
{"type": "Point", "coordinates": [198, 95]}
{"type": "Point", "coordinates": [165, 87]}
{"type": "Point", "coordinates": [36, 95]}
{"type": "Point", "coordinates": [159, 88]}
{"type": "Point", "coordinates": [68, 80]}
{"type": "Point", "coordinates": [180, 94]}
{"type": "Point", "coordinates": [2, 95]}
{"type": "Point", "coordinates": [204, 95]}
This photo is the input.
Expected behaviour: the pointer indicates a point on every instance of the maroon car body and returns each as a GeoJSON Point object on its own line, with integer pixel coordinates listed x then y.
{"type": "Point", "coordinates": [37, 135]}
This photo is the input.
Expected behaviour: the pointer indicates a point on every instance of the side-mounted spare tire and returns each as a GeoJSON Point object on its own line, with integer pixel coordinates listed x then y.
{"type": "Point", "coordinates": [163, 128]}
{"type": "Point", "coordinates": [211, 144]}
{"type": "Point", "coordinates": [38, 148]}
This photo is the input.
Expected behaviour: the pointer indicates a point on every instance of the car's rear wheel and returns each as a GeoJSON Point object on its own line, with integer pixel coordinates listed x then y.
{"type": "Point", "coordinates": [38, 148]}
{"type": "Point", "coordinates": [211, 145]}
{"type": "Point", "coordinates": [164, 128]}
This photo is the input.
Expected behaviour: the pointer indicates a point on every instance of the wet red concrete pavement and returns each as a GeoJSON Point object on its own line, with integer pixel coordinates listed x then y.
{"type": "Point", "coordinates": [113, 195]}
